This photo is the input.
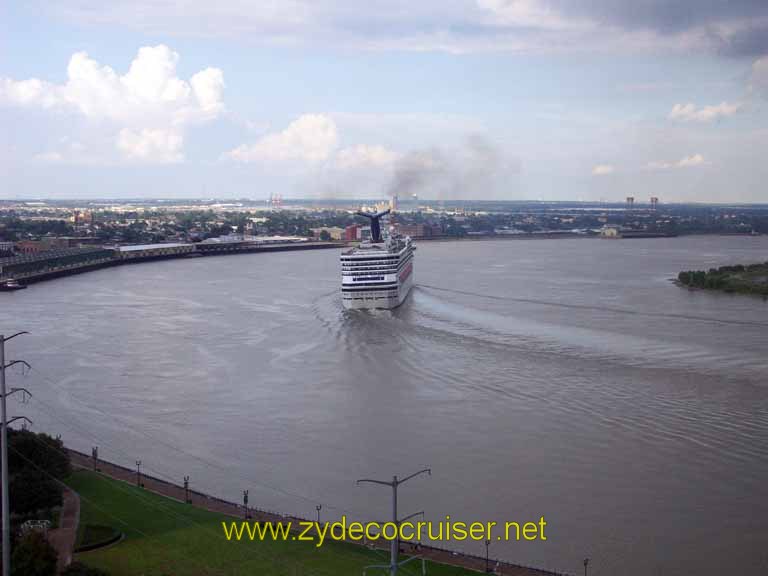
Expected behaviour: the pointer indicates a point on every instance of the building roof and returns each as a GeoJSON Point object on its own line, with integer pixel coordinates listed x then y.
{"type": "Point", "coordinates": [138, 247]}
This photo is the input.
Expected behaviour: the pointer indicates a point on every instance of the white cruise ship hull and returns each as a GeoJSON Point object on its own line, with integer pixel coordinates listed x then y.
{"type": "Point", "coordinates": [373, 277]}
{"type": "Point", "coordinates": [379, 299]}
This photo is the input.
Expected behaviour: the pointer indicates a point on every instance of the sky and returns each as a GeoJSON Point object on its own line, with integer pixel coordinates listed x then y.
{"type": "Point", "coordinates": [446, 99]}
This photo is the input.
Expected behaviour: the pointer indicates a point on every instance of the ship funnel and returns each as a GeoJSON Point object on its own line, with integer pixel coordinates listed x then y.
{"type": "Point", "coordinates": [375, 226]}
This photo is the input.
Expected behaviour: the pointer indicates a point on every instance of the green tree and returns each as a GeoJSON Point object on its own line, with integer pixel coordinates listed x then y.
{"type": "Point", "coordinates": [31, 490]}
{"type": "Point", "coordinates": [33, 556]}
{"type": "Point", "coordinates": [36, 461]}
{"type": "Point", "coordinates": [38, 451]}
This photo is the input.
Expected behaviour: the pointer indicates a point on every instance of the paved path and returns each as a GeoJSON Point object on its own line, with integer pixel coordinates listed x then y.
{"type": "Point", "coordinates": [64, 537]}
{"type": "Point", "coordinates": [220, 506]}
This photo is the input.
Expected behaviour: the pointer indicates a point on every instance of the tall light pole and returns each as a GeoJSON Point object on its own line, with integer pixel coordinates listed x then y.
{"type": "Point", "coordinates": [586, 562]}
{"type": "Point", "coordinates": [318, 508]}
{"type": "Point", "coordinates": [138, 473]}
{"type": "Point", "coordinates": [4, 455]}
{"type": "Point", "coordinates": [487, 558]}
{"type": "Point", "coordinates": [394, 548]}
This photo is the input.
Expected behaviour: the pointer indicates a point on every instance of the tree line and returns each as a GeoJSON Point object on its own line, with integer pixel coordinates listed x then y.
{"type": "Point", "coordinates": [747, 279]}
{"type": "Point", "coordinates": [38, 464]}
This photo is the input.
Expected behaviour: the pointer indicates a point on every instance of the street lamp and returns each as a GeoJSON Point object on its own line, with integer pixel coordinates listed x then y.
{"type": "Point", "coordinates": [318, 508]}
{"type": "Point", "coordinates": [586, 561]}
{"type": "Point", "coordinates": [487, 564]}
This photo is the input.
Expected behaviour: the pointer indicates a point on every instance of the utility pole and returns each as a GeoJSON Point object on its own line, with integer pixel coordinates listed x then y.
{"type": "Point", "coordinates": [318, 508]}
{"type": "Point", "coordinates": [245, 503]}
{"type": "Point", "coordinates": [487, 559]}
{"type": "Point", "coordinates": [395, 544]}
{"type": "Point", "coordinates": [4, 452]}
{"type": "Point", "coordinates": [586, 561]}
{"type": "Point", "coordinates": [187, 499]}
{"type": "Point", "coordinates": [95, 457]}
{"type": "Point", "coordinates": [138, 473]}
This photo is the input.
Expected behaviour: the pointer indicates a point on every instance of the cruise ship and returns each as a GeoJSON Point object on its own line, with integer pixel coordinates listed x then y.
{"type": "Point", "coordinates": [377, 273]}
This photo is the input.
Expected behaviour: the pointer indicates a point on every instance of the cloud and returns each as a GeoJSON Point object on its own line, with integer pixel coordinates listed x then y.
{"type": "Point", "coordinates": [311, 138]}
{"type": "Point", "coordinates": [314, 139]}
{"type": "Point", "coordinates": [748, 39]}
{"type": "Point", "coordinates": [603, 169]}
{"type": "Point", "coordinates": [691, 113]}
{"type": "Point", "coordinates": [758, 80]}
{"type": "Point", "coordinates": [734, 27]}
{"type": "Point", "coordinates": [466, 170]}
{"type": "Point", "coordinates": [147, 108]}
{"type": "Point", "coordinates": [686, 162]}
{"type": "Point", "coordinates": [474, 169]}
{"type": "Point", "coordinates": [530, 13]}
{"type": "Point", "coordinates": [365, 156]}
{"type": "Point", "coordinates": [160, 146]}
{"type": "Point", "coordinates": [48, 157]}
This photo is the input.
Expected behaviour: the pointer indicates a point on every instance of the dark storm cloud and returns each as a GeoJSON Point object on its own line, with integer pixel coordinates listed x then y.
{"type": "Point", "coordinates": [751, 41]}
{"type": "Point", "coordinates": [746, 20]}
{"type": "Point", "coordinates": [664, 16]}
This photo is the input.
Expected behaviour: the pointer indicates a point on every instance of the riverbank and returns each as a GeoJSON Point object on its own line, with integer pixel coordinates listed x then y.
{"type": "Point", "coordinates": [749, 279]}
{"type": "Point", "coordinates": [41, 267]}
{"type": "Point", "coordinates": [44, 266]}
{"type": "Point", "coordinates": [441, 561]}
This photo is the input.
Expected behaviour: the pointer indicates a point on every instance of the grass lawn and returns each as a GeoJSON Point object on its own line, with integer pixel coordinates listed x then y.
{"type": "Point", "coordinates": [168, 538]}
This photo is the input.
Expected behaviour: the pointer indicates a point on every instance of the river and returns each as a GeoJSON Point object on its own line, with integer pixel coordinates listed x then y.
{"type": "Point", "coordinates": [568, 379]}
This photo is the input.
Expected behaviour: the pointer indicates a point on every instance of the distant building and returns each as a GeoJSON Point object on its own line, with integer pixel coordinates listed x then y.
{"type": "Point", "coordinates": [408, 203]}
{"type": "Point", "coordinates": [334, 232]}
{"type": "Point", "coordinates": [352, 233]}
{"type": "Point", "coordinates": [420, 230]}
{"type": "Point", "coordinates": [82, 218]}
{"type": "Point", "coordinates": [55, 243]}
{"type": "Point", "coordinates": [42, 245]}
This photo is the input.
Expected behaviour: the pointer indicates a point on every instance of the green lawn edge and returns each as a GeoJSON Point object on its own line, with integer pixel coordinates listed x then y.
{"type": "Point", "coordinates": [165, 537]}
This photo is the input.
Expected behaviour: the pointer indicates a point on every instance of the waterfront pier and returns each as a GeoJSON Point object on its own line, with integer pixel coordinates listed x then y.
{"type": "Point", "coordinates": [29, 268]}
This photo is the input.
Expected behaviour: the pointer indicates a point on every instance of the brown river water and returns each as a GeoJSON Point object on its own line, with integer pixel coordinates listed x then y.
{"type": "Point", "coordinates": [563, 378]}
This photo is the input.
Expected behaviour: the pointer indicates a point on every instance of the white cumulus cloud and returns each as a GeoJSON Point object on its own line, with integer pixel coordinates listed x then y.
{"type": "Point", "coordinates": [159, 145]}
{"type": "Point", "coordinates": [311, 138]}
{"type": "Point", "coordinates": [148, 107]}
{"type": "Point", "coordinates": [686, 162]}
{"type": "Point", "coordinates": [692, 113]}
{"type": "Point", "coordinates": [603, 170]}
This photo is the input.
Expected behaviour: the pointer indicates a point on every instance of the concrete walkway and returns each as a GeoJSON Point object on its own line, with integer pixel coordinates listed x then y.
{"type": "Point", "coordinates": [64, 537]}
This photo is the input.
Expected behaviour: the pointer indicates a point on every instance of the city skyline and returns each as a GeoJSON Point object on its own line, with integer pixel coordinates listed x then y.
{"type": "Point", "coordinates": [477, 100]}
